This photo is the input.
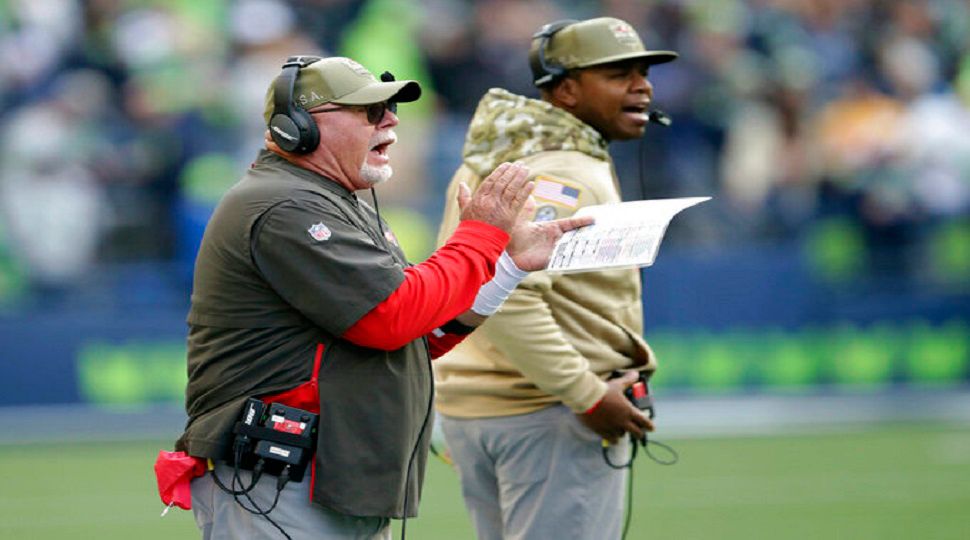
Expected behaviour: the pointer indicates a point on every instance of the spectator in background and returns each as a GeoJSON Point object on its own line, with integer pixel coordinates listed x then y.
{"type": "Point", "coordinates": [931, 146]}
{"type": "Point", "coordinates": [768, 169]}
{"type": "Point", "coordinates": [472, 47]}
{"type": "Point", "coordinates": [51, 197]}
{"type": "Point", "coordinates": [525, 403]}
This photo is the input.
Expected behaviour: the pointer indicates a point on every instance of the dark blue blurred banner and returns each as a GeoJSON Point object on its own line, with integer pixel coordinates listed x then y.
{"type": "Point", "coordinates": [751, 320]}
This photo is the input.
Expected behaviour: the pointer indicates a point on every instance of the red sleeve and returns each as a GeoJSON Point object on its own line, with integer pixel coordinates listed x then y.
{"type": "Point", "coordinates": [435, 291]}
{"type": "Point", "coordinates": [440, 344]}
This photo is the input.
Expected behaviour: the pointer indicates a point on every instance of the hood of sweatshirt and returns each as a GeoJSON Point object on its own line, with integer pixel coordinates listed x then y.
{"type": "Point", "coordinates": [507, 127]}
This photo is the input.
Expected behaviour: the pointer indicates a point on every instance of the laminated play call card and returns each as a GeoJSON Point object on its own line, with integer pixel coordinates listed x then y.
{"type": "Point", "coordinates": [624, 234]}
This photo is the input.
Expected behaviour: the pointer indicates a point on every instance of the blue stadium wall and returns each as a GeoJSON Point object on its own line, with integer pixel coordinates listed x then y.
{"type": "Point", "coordinates": [756, 321]}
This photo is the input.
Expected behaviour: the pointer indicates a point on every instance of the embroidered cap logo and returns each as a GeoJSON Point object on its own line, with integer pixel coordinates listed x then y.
{"type": "Point", "coordinates": [625, 34]}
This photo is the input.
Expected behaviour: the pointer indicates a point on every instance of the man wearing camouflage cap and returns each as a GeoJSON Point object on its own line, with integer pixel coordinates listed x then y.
{"type": "Point", "coordinates": [525, 402]}
{"type": "Point", "coordinates": [302, 297]}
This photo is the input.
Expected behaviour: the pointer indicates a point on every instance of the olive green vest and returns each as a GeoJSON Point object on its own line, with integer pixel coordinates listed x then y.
{"type": "Point", "coordinates": [255, 323]}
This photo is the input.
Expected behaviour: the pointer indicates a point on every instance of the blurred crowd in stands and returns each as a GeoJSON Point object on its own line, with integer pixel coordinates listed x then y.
{"type": "Point", "coordinates": [844, 124]}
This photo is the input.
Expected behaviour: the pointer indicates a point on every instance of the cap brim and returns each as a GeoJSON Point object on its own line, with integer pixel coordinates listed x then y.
{"type": "Point", "coordinates": [652, 58]}
{"type": "Point", "coordinates": [400, 91]}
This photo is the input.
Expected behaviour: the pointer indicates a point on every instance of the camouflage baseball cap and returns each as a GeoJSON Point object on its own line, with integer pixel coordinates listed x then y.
{"type": "Point", "coordinates": [580, 44]}
{"type": "Point", "coordinates": [344, 82]}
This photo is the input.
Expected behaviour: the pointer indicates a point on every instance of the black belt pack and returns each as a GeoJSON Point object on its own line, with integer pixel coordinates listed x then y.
{"type": "Point", "coordinates": [279, 436]}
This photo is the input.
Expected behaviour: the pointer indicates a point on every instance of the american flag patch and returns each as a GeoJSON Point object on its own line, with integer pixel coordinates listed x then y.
{"type": "Point", "coordinates": [557, 192]}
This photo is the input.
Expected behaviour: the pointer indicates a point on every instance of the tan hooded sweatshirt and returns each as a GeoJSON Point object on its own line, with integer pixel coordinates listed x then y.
{"type": "Point", "coordinates": [558, 336]}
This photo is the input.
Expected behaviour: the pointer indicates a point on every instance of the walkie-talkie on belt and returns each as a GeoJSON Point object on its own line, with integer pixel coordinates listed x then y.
{"type": "Point", "coordinates": [639, 395]}
{"type": "Point", "coordinates": [278, 435]}
{"type": "Point", "coordinates": [270, 439]}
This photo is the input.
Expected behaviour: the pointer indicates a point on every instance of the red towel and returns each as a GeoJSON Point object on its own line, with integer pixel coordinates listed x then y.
{"type": "Point", "coordinates": [174, 471]}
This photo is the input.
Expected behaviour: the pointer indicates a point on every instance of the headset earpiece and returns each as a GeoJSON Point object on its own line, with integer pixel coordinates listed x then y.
{"type": "Point", "coordinates": [544, 71]}
{"type": "Point", "coordinates": [291, 127]}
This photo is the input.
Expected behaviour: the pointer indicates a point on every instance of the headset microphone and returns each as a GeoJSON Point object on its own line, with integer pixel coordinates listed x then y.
{"type": "Point", "coordinates": [659, 117]}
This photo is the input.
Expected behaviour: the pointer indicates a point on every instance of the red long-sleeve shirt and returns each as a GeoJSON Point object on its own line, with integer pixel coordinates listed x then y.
{"type": "Point", "coordinates": [434, 292]}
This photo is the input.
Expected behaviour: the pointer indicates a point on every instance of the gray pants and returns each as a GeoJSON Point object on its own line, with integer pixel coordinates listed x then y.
{"type": "Point", "coordinates": [537, 476]}
{"type": "Point", "coordinates": [219, 516]}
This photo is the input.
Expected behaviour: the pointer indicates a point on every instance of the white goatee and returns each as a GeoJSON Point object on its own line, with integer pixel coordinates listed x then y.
{"type": "Point", "coordinates": [373, 174]}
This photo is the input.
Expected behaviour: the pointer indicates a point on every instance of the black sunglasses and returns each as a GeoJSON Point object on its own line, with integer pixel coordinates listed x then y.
{"type": "Point", "coordinates": [375, 111]}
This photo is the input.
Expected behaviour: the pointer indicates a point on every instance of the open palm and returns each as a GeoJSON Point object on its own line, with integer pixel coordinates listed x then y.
{"type": "Point", "coordinates": [532, 242]}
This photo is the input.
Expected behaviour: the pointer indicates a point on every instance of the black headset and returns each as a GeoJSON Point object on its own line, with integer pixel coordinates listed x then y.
{"type": "Point", "coordinates": [291, 127]}
{"type": "Point", "coordinates": [543, 71]}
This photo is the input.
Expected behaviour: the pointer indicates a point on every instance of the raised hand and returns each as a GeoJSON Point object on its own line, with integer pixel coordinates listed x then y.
{"type": "Point", "coordinates": [500, 198]}
{"type": "Point", "coordinates": [532, 243]}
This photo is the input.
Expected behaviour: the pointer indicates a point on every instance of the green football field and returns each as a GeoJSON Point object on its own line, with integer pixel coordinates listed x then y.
{"type": "Point", "coordinates": [888, 482]}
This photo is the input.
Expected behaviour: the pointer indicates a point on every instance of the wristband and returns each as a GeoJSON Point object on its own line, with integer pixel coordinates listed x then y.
{"type": "Point", "coordinates": [494, 293]}
{"type": "Point", "coordinates": [457, 328]}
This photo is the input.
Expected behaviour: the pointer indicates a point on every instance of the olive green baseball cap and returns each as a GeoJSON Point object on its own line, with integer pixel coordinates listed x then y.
{"type": "Point", "coordinates": [344, 82]}
{"type": "Point", "coordinates": [564, 45]}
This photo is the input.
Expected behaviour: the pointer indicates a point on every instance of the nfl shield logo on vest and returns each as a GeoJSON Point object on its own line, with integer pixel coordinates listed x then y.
{"type": "Point", "coordinates": [319, 232]}
{"type": "Point", "coordinates": [390, 237]}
